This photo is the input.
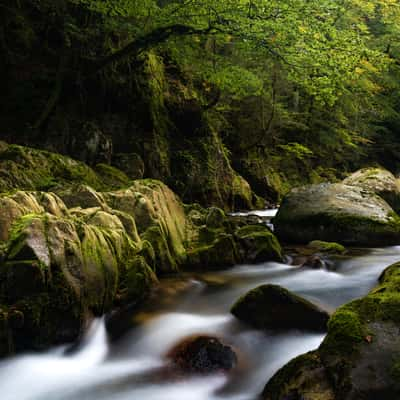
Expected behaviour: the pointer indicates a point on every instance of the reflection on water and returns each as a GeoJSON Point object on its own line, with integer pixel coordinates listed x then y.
{"type": "Point", "coordinates": [127, 369]}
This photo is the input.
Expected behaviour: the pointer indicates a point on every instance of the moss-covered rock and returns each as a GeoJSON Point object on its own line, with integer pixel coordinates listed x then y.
{"type": "Point", "coordinates": [111, 176]}
{"type": "Point", "coordinates": [215, 218]}
{"type": "Point", "coordinates": [336, 212]}
{"type": "Point", "coordinates": [326, 247]}
{"type": "Point", "coordinates": [139, 280]}
{"type": "Point", "coordinates": [30, 169]}
{"type": "Point", "coordinates": [379, 181]}
{"type": "Point", "coordinates": [303, 378]}
{"type": "Point", "coordinates": [220, 253]}
{"type": "Point", "coordinates": [274, 307]}
{"type": "Point", "coordinates": [258, 244]}
{"type": "Point", "coordinates": [159, 216]}
{"type": "Point", "coordinates": [66, 256]}
{"type": "Point", "coordinates": [82, 196]}
{"type": "Point", "coordinates": [360, 353]}
{"type": "Point", "coordinates": [57, 269]}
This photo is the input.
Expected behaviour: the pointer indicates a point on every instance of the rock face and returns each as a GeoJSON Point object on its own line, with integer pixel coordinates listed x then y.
{"type": "Point", "coordinates": [379, 181]}
{"type": "Point", "coordinates": [336, 213]}
{"type": "Point", "coordinates": [273, 307]}
{"type": "Point", "coordinates": [360, 356]}
{"type": "Point", "coordinates": [202, 355]}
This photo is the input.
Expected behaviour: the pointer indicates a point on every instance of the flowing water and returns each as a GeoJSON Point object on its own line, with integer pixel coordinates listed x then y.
{"type": "Point", "coordinates": [128, 368]}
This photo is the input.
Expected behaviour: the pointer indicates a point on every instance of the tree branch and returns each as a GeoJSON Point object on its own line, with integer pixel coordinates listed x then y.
{"type": "Point", "coordinates": [142, 43]}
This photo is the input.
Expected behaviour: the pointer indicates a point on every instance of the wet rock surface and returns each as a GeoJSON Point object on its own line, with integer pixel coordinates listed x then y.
{"type": "Point", "coordinates": [274, 307]}
{"type": "Point", "coordinates": [202, 355]}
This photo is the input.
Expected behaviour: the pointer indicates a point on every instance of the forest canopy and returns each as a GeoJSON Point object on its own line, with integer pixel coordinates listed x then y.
{"type": "Point", "coordinates": [302, 60]}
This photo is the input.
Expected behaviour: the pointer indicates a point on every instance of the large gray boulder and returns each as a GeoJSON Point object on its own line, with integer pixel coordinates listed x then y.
{"type": "Point", "coordinates": [380, 181]}
{"type": "Point", "coordinates": [336, 213]}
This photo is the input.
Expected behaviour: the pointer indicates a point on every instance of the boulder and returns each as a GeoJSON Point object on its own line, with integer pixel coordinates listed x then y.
{"type": "Point", "coordinates": [326, 247]}
{"type": "Point", "coordinates": [379, 181]}
{"type": "Point", "coordinates": [220, 253]}
{"type": "Point", "coordinates": [25, 168]}
{"type": "Point", "coordinates": [303, 378]}
{"type": "Point", "coordinates": [215, 218]}
{"type": "Point", "coordinates": [274, 307]}
{"type": "Point", "coordinates": [202, 355]}
{"type": "Point", "coordinates": [258, 244]}
{"type": "Point", "coordinates": [336, 212]}
{"type": "Point", "coordinates": [360, 356]}
{"type": "Point", "coordinates": [82, 196]}
{"type": "Point", "coordinates": [159, 216]}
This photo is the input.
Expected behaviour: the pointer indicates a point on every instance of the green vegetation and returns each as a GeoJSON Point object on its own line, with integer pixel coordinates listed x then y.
{"type": "Point", "coordinates": [205, 93]}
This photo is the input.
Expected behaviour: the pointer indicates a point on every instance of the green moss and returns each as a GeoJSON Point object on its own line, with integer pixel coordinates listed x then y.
{"type": "Point", "coordinates": [221, 253]}
{"type": "Point", "coordinates": [345, 333]}
{"type": "Point", "coordinates": [17, 237]}
{"type": "Point", "coordinates": [164, 261]}
{"type": "Point", "coordinates": [112, 177]}
{"type": "Point", "coordinates": [286, 378]}
{"type": "Point", "coordinates": [138, 280]}
{"type": "Point", "coordinates": [259, 243]}
{"type": "Point", "coordinates": [215, 218]}
{"type": "Point", "coordinates": [327, 247]}
{"type": "Point", "coordinates": [31, 169]}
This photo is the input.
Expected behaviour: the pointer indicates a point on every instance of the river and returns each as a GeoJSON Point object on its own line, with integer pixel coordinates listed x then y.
{"type": "Point", "coordinates": [127, 368]}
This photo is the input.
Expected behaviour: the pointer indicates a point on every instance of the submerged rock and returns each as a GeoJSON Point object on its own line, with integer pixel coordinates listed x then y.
{"type": "Point", "coordinates": [274, 307]}
{"type": "Point", "coordinates": [202, 355]}
{"type": "Point", "coordinates": [336, 212]}
{"type": "Point", "coordinates": [379, 181]}
{"type": "Point", "coordinates": [314, 262]}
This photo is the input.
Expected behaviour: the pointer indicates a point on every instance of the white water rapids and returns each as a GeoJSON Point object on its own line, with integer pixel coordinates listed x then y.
{"type": "Point", "coordinates": [125, 370]}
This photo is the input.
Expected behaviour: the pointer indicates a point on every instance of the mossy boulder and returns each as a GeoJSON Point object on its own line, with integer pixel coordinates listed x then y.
{"type": "Point", "coordinates": [111, 176]}
{"type": "Point", "coordinates": [25, 168]}
{"type": "Point", "coordinates": [379, 181]}
{"type": "Point", "coordinates": [360, 355]}
{"type": "Point", "coordinates": [258, 244]}
{"type": "Point", "coordinates": [303, 378]}
{"type": "Point", "coordinates": [222, 252]}
{"type": "Point", "coordinates": [326, 247]}
{"type": "Point", "coordinates": [57, 269]}
{"type": "Point", "coordinates": [274, 307]}
{"type": "Point", "coordinates": [138, 280]}
{"type": "Point", "coordinates": [159, 216]}
{"type": "Point", "coordinates": [336, 212]}
{"type": "Point", "coordinates": [215, 218]}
